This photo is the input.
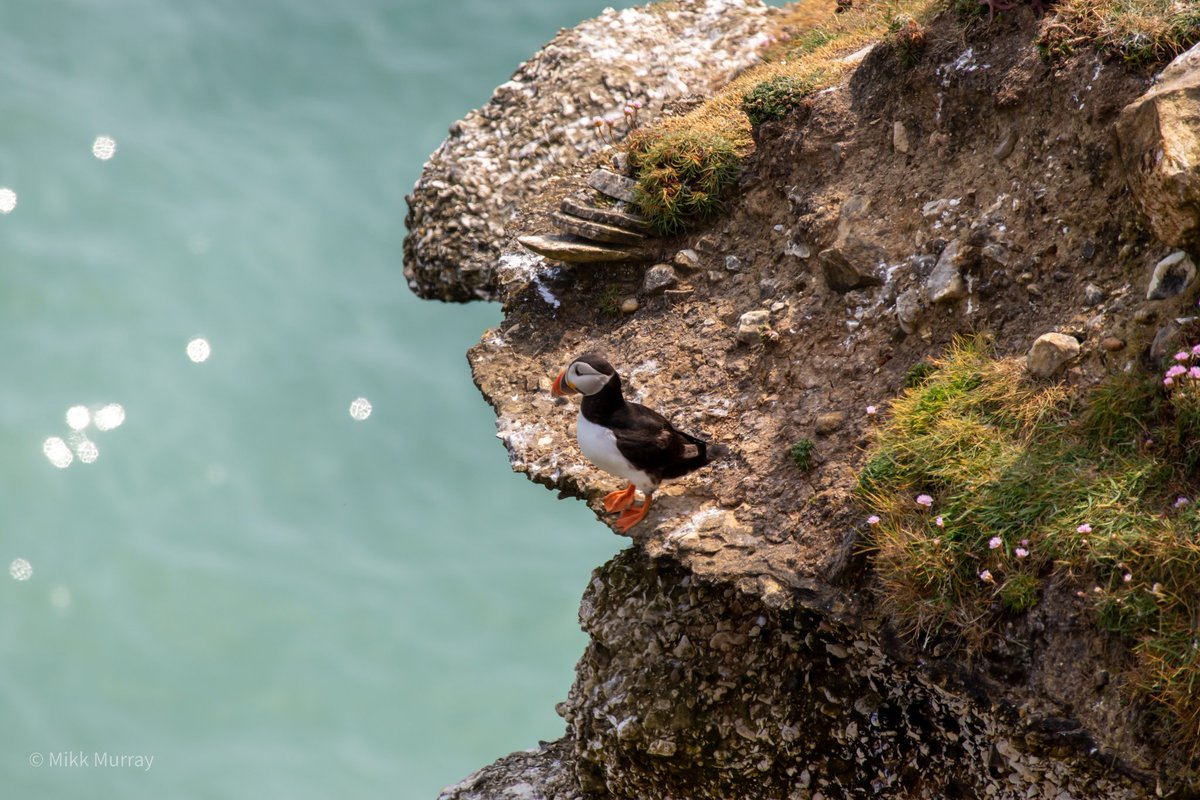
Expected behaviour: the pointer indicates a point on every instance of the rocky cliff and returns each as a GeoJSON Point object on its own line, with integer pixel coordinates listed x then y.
{"type": "Point", "coordinates": [738, 647]}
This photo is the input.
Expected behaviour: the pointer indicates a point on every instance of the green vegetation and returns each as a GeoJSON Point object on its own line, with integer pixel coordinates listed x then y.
{"type": "Point", "coordinates": [968, 8]}
{"type": "Point", "coordinates": [906, 39]}
{"type": "Point", "coordinates": [1144, 33]}
{"type": "Point", "coordinates": [987, 490]}
{"type": "Point", "coordinates": [608, 300]}
{"type": "Point", "coordinates": [681, 176]}
{"type": "Point", "coordinates": [777, 97]}
{"type": "Point", "coordinates": [917, 374]}
{"type": "Point", "coordinates": [801, 452]}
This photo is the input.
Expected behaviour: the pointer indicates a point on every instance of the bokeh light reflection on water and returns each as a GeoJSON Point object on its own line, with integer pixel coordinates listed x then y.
{"type": "Point", "coordinates": [20, 569]}
{"type": "Point", "coordinates": [109, 417]}
{"type": "Point", "coordinates": [198, 350]}
{"type": "Point", "coordinates": [78, 417]}
{"type": "Point", "coordinates": [87, 451]}
{"type": "Point", "coordinates": [58, 452]}
{"type": "Point", "coordinates": [104, 148]}
{"type": "Point", "coordinates": [360, 409]}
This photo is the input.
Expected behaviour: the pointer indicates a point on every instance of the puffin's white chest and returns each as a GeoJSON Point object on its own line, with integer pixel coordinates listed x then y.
{"type": "Point", "coordinates": [599, 445]}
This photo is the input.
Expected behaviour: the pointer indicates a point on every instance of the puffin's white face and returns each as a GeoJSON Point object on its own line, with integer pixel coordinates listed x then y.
{"type": "Point", "coordinates": [584, 378]}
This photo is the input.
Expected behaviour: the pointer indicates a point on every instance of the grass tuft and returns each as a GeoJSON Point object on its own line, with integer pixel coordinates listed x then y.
{"type": "Point", "coordinates": [1027, 487]}
{"type": "Point", "coordinates": [775, 98]}
{"type": "Point", "coordinates": [681, 176]}
{"type": "Point", "coordinates": [1143, 33]}
{"type": "Point", "coordinates": [906, 39]}
{"type": "Point", "coordinates": [801, 452]}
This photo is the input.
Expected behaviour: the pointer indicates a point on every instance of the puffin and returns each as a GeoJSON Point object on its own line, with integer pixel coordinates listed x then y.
{"type": "Point", "coordinates": [626, 439]}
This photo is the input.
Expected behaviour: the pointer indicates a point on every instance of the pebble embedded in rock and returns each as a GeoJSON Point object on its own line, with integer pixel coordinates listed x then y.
{"type": "Point", "coordinates": [829, 422]}
{"type": "Point", "coordinates": [1005, 148]}
{"type": "Point", "coordinates": [1171, 276]}
{"type": "Point", "coordinates": [1112, 344]}
{"type": "Point", "coordinates": [996, 253]}
{"type": "Point", "coordinates": [933, 208]}
{"type": "Point", "coordinates": [900, 137]}
{"type": "Point", "coordinates": [629, 305]}
{"type": "Point", "coordinates": [843, 274]}
{"type": "Point", "coordinates": [908, 310]}
{"type": "Point", "coordinates": [1050, 353]}
{"type": "Point", "coordinates": [687, 259]}
{"type": "Point", "coordinates": [618, 187]}
{"type": "Point", "coordinates": [945, 283]}
{"type": "Point", "coordinates": [733, 264]}
{"type": "Point", "coordinates": [1144, 316]}
{"type": "Point", "coordinates": [1093, 295]}
{"type": "Point", "coordinates": [1167, 340]}
{"type": "Point", "coordinates": [659, 278]}
{"type": "Point", "coordinates": [751, 324]}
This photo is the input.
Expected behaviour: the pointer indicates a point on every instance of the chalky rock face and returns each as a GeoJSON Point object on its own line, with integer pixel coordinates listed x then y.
{"type": "Point", "coordinates": [708, 693]}
{"type": "Point", "coordinates": [542, 120]}
{"type": "Point", "coordinates": [1159, 141]}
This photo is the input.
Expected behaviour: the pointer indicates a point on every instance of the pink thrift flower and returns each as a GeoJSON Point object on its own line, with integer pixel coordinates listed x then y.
{"type": "Point", "coordinates": [1181, 502]}
{"type": "Point", "coordinates": [1021, 552]}
{"type": "Point", "coordinates": [1182, 356]}
{"type": "Point", "coordinates": [1196, 349]}
{"type": "Point", "coordinates": [1127, 577]}
{"type": "Point", "coordinates": [1194, 373]}
{"type": "Point", "coordinates": [1084, 528]}
{"type": "Point", "coordinates": [872, 520]}
{"type": "Point", "coordinates": [1177, 370]}
{"type": "Point", "coordinates": [924, 500]}
{"type": "Point", "coordinates": [941, 523]}
{"type": "Point", "coordinates": [994, 542]}
{"type": "Point", "coordinates": [986, 576]}
{"type": "Point", "coordinates": [871, 411]}
{"type": "Point", "coordinates": [1024, 543]}
{"type": "Point", "coordinates": [1168, 381]}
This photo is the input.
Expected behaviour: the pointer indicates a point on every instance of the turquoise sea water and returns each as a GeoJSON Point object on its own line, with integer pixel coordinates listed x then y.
{"type": "Point", "coordinates": [264, 596]}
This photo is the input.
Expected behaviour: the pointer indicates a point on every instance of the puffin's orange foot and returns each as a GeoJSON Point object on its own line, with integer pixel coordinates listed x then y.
{"type": "Point", "coordinates": [620, 500]}
{"type": "Point", "coordinates": [633, 516]}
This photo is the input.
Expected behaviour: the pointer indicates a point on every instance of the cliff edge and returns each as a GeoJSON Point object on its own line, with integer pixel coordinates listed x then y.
{"type": "Point", "coordinates": [744, 645]}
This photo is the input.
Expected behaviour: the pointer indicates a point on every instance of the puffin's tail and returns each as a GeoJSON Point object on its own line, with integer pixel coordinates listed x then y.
{"type": "Point", "coordinates": [696, 454]}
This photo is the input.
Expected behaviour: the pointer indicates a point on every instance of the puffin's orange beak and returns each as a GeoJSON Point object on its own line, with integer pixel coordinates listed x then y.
{"type": "Point", "coordinates": [557, 388]}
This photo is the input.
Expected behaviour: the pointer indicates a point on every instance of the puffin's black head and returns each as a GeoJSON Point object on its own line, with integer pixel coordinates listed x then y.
{"type": "Point", "coordinates": [587, 375]}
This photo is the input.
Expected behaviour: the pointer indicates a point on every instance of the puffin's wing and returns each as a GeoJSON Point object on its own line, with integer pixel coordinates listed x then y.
{"type": "Point", "coordinates": [654, 445]}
